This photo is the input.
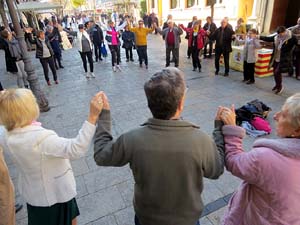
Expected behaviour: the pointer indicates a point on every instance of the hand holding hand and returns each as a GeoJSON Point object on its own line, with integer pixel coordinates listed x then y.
{"type": "Point", "coordinates": [219, 113]}
{"type": "Point", "coordinates": [96, 106]}
{"type": "Point", "coordinates": [228, 116]}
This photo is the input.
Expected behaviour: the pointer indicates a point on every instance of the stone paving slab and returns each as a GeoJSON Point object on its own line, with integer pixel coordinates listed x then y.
{"type": "Point", "coordinates": [105, 194]}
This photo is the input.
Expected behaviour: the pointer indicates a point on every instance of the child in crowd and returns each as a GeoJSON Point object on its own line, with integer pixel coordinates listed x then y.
{"type": "Point", "coordinates": [46, 180]}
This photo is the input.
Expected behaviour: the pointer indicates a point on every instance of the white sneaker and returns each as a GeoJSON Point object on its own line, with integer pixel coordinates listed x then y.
{"type": "Point", "coordinates": [119, 68]}
{"type": "Point", "coordinates": [87, 75]}
{"type": "Point", "coordinates": [92, 75]}
{"type": "Point", "coordinates": [114, 69]}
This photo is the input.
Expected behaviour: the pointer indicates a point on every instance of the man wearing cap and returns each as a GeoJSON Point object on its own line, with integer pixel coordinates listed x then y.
{"type": "Point", "coordinates": [172, 41]}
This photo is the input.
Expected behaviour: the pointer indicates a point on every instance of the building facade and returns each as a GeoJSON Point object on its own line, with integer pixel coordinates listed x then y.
{"type": "Point", "coordinates": [264, 15]}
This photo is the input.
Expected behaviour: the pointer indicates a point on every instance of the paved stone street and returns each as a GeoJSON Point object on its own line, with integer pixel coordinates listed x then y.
{"type": "Point", "coordinates": [105, 193]}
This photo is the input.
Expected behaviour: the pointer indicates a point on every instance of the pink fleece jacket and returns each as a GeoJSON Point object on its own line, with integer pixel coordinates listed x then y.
{"type": "Point", "coordinates": [270, 191]}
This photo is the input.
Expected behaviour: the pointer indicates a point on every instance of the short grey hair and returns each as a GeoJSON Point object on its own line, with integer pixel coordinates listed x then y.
{"type": "Point", "coordinates": [292, 105]}
{"type": "Point", "coordinates": [164, 91]}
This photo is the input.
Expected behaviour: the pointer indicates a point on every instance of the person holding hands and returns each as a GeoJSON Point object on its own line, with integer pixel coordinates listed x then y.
{"type": "Point", "coordinates": [46, 180]}
{"type": "Point", "coordinates": [269, 193]}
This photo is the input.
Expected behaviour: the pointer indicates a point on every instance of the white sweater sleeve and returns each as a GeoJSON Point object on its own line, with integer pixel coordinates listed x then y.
{"type": "Point", "coordinates": [55, 146]}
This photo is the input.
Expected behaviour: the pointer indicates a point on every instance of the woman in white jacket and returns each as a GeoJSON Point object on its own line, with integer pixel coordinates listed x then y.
{"type": "Point", "coordinates": [85, 50]}
{"type": "Point", "coordinates": [46, 179]}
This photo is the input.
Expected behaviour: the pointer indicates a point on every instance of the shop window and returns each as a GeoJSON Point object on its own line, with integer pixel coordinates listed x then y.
{"type": "Point", "coordinates": [190, 3]}
{"type": "Point", "coordinates": [211, 2]}
{"type": "Point", "coordinates": [153, 4]}
{"type": "Point", "coordinates": [173, 4]}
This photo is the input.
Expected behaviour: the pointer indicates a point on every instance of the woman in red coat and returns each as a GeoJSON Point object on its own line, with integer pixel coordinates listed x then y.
{"type": "Point", "coordinates": [196, 42]}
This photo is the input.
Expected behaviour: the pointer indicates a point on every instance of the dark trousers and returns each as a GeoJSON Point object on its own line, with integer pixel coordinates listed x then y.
{"type": "Point", "coordinates": [175, 53]}
{"type": "Point", "coordinates": [142, 53]}
{"type": "Point", "coordinates": [189, 51]}
{"type": "Point", "coordinates": [210, 44]}
{"type": "Point", "coordinates": [45, 62]}
{"type": "Point", "coordinates": [277, 75]}
{"type": "Point", "coordinates": [195, 58]}
{"type": "Point", "coordinates": [1, 88]}
{"type": "Point", "coordinates": [89, 56]}
{"type": "Point", "coordinates": [225, 54]}
{"type": "Point", "coordinates": [137, 222]}
{"type": "Point", "coordinates": [115, 54]}
{"type": "Point", "coordinates": [128, 52]}
{"type": "Point", "coordinates": [57, 60]}
{"type": "Point", "coordinates": [297, 64]}
{"type": "Point", "coordinates": [249, 71]}
{"type": "Point", "coordinates": [97, 50]}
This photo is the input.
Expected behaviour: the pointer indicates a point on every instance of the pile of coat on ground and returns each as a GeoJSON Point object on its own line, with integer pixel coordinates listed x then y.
{"type": "Point", "coordinates": [252, 117]}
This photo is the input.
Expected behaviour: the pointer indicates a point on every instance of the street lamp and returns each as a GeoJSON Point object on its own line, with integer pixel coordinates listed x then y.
{"type": "Point", "coordinates": [32, 77]}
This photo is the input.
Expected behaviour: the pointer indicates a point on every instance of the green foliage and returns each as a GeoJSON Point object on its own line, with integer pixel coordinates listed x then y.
{"type": "Point", "coordinates": [143, 7]}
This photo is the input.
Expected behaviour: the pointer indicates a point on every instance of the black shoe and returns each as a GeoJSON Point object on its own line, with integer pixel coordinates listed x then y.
{"type": "Point", "coordinates": [146, 66]}
{"type": "Point", "coordinates": [250, 82]}
{"type": "Point", "coordinates": [131, 60]}
{"type": "Point", "coordinates": [279, 91]}
{"type": "Point", "coordinates": [127, 60]}
{"type": "Point", "coordinates": [194, 69]}
{"type": "Point", "coordinates": [199, 70]}
{"type": "Point", "coordinates": [176, 66]}
{"type": "Point", "coordinates": [18, 207]}
{"type": "Point", "coordinates": [26, 86]}
{"type": "Point", "coordinates": [226, 74]}
{"type": "Point", "coordinates": [61, 66]}
{"type": "Point", "coordinates": [167, 65]}
{"type": "Point", "coordinates": [217, 72]}
{"type": "Point", "coordinates": [100, 59]}
{"type": "Point", "coordinates": [274, 88]}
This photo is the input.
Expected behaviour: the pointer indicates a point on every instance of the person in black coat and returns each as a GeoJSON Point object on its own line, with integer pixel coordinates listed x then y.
{"type": "Point", "coordinates": [45, 53]}
{"type": "Point", "coordinates": [55, 39]}
{"type": "Point", "coordinates": [223, 36]}
{"type": "Point", "coordinates": [281, 60]}
{"type": "Point", "coordinates": [11, 66]}
{"type": "Point", "coordinates": [128, 43]}
{"type": "Point", "coordinates": [97, 39]}
{"type": "Point", "coordinates": [210, 28]}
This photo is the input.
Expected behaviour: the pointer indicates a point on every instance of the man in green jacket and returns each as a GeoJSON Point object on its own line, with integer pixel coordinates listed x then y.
{"type": "Point", "coordinates": [168, 156]}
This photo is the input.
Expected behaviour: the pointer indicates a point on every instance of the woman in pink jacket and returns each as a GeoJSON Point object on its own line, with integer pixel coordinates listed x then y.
{"type": "Point", "coordinates": [196, 42]}
{"type": "Point", "coordinates": [270, 191]}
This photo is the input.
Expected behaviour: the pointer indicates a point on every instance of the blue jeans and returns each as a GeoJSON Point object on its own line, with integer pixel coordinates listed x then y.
{"type": "Point", "coordinates": [137, 222]}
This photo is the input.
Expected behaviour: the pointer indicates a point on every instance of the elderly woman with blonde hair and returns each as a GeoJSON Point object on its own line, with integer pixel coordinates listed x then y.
{"type": "Point", "coordinates": [270, 191]}
{"type": "Point", "coordinates": [46, 179]}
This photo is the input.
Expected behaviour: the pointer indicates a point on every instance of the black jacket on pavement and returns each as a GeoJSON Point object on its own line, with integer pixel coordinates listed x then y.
{"type": "Point", "coordinates": [225, 43]}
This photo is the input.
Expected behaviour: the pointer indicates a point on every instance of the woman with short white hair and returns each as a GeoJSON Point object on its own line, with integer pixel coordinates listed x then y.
{"type": "Point", "coordinates": [46, 180]}
{"type": "Point", "coordinates": [270, 191]}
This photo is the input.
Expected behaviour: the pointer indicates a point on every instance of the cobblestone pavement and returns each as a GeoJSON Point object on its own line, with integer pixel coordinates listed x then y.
{"type": "Point", "coordinates": [105, 193]}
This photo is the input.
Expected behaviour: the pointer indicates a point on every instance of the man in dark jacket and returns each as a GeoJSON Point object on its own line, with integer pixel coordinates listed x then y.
{"type": "Point", "coordinates": [296, 33]}
{"type": "Point", "coordinates": [168, 156]}
{"type": "Point", "coordinates": [210, 27]}
{"type": "Point", "coordinates": [281, 60]}
{"type": "Point", "coordinates": [223, 36]}
{"type": "Point", "coordinates": [97, 40]}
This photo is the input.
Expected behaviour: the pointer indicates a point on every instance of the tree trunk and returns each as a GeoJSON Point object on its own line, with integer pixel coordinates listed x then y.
{"type": "Point", "coordinates": [3, 15]}
{"type": "Point", "coordinates": [32, 77]}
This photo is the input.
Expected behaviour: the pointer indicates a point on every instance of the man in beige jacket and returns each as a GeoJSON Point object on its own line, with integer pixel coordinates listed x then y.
{"type": "Point", "coordinates": [7, 195]}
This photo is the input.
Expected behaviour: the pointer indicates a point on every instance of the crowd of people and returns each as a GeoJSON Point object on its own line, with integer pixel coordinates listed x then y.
{"type": "Point", "coordinates": [166, 146]}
